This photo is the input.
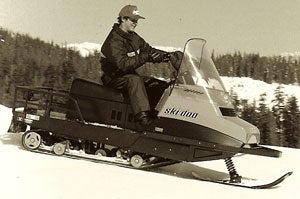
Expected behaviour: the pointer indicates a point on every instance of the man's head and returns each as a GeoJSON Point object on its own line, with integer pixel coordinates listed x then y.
{"type": "Point", "coordinates": [128, 18]}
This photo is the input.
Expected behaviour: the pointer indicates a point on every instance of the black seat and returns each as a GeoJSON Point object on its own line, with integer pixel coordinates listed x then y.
{"type": "Point", "coordinates": [98, 103]}
{"type": "Point", "coordinates": [81, 87]}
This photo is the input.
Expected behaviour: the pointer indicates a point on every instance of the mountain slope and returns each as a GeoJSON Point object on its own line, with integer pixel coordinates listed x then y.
{"type": "Point", "coordinates": [247, 88]}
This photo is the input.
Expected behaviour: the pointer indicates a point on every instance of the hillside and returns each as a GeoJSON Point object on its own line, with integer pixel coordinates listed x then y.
{"type": "Point", "coordinates": [249, 89]}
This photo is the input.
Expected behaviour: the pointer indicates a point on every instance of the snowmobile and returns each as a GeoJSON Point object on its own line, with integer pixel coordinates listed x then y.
{"type": "Point", "coordinates": [195, 120]}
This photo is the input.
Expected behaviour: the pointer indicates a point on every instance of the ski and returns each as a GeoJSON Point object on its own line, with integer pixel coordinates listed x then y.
{"type": "Point", "coordinates": [245, 182]}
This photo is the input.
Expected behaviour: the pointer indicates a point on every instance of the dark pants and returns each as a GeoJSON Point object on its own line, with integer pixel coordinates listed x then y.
{"type": "Point", "coordinates": [134, 86]}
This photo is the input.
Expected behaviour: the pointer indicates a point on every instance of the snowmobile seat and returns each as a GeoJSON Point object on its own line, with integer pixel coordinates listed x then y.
{"type": "Point", "coordinates": [81, 87]}
{"type": "Point", "coordinates": [98, 103]}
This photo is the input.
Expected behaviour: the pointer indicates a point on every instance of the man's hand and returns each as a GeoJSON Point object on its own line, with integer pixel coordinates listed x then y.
{"type": "Point", "coordinates": [175, 59]}
{"type": "Point", "coordinates": [157, 57]}
{"type": "Point", "coordinates": [166, 57]}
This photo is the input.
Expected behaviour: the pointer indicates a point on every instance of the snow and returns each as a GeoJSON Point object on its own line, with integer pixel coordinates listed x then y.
{"type": "Point", "coordinates": [87, 48]}
{"type": "Point", "coordinates": [294, 55]}
{"type": "Point", "coordinates": [31, 175]}
{"type": "Point", "coordinates": [247, 88]}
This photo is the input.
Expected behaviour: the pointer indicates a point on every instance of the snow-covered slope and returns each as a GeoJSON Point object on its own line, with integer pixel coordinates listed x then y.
{"type": "Point", "coordinates": [87, 48]}
{"type": "Point", "coordinates": [293, 55]}
{"type": "Point", "coordinates": [247, 88]}
{"type": "Point", "coordinates": [29, 175]}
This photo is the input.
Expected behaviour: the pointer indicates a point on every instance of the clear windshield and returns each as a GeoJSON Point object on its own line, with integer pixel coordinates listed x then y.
{"type": "Point", "coordinates": [197, 67]}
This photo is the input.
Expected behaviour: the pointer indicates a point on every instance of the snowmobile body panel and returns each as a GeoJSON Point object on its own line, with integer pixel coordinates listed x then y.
{"type": "Point", "coordinates": [160, 145]}
{"type": "Point", "coordinates": [180, 105]}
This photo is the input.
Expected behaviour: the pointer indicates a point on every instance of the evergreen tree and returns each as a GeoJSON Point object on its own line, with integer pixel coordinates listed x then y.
{"type": "Point", "coordinates": [263, 112]}
{"type": "Point", "coordinates": [277, 109]}
{"type": "Point", "coordinates": [268, 72]}
{"type": "Point", "coordinates": [236, 102]}
{"type": "Point", "coordinates": [237, 64]}
{"type": "Point", "coordinates": [68, 74]}
{"type": "Point", "coordinates": [249, 112]}
{"type": "Point", "coordinates": [290, 122]}
{"type": "Point", "coordinates": [297, 71]}
{"type": "Point", "coordinates": [50, 77]}
{"type": "Point", "coordinates": [266, 122]}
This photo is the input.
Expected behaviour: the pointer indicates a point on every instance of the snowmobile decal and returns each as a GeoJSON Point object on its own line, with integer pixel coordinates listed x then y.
{"type": "Point", "coordinates": [131, 54]}
{"type": "Point", "coordinates": [32, 117]}
{"type": "Point", "coordinates": [193, 91]}
{"type": "Point", "coordinates": [186, 113]}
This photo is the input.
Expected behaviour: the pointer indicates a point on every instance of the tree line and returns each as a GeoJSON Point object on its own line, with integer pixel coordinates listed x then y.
{"type": "Point", "coordinates": [279, 124]}
{"type": "Point", "coordinates": [32, 62]}
{"type": "Point", "coordinates": [279, 69]}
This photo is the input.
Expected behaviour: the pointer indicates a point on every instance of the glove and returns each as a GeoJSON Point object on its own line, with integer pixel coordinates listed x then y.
{"type": "Point", "coordinates": [157, 57]}
{"type": "Point", "coordinates": [166, 57]}
{"type": "Point", "coordinates": [175, 59]}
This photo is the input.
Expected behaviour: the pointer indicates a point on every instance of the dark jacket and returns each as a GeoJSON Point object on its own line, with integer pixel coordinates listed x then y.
{"type": "Point", "coordinates": [124, 52]}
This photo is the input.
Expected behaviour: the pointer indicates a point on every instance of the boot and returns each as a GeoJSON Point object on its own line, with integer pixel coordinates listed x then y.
{"type": "Point", "coordinates": [143, 118]}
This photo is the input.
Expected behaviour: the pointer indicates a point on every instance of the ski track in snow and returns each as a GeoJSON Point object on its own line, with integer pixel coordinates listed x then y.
{"type": "Point", "coordinates": [31, 175]}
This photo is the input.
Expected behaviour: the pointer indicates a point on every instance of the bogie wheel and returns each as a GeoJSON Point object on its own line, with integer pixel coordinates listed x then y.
{"type": "Point", "coordinates": [59, 148]}
{"type": "Point", "coordinates": [31, 140]}
{"type": "Point", "coordinates": [101, 152]}
{"type": "Point", "coordinates": [136, 161]}
{"type": "Point", "coordinates": [113, 152]}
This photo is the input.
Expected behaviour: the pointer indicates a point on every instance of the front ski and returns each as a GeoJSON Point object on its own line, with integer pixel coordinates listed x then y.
{"type": "Point", "coordinates": [245, 182]}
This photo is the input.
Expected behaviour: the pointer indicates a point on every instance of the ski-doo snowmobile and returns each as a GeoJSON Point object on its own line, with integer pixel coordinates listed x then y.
{"type": "Point", "coordinates": [196, 120]}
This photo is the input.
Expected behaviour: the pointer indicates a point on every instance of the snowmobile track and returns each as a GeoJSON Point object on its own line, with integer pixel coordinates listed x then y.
{"type": "Point", "coordinates": [104, 160]}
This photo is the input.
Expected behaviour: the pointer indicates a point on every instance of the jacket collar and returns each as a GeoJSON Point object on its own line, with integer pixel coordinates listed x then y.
{"type": "Point", "coordinates": [122, 33]}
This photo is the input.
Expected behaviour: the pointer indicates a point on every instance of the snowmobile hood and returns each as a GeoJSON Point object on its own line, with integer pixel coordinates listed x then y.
{"type": "Point", "coordinates": [199, 96]}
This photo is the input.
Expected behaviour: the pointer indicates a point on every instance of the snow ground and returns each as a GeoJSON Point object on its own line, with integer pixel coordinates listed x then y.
{"type": "Point", "coordinates": [25, 174]}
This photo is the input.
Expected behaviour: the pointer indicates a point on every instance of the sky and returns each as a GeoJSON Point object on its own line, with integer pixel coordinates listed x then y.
{"type": "Point", "coordinates": [268, 27]}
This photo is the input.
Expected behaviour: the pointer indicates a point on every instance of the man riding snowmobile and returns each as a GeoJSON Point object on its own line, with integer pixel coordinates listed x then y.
{"type": "Point", "coordinates": [123, 52]}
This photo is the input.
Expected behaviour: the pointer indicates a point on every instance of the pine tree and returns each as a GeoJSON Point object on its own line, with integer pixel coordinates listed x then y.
{"type": "Point", "coordinates": [268, 72]}
{"type": "Point", "coordinates": [237, 64]}
{"type": "Point", "coordinates": [266, 122]}
{"type": "Point", "coordinates": [236, 102]}
{"type": "Point", "coordinates": [277, 109]}
{"type": "Point", "coordinates": [263, 119]}
{"type": "Point", "coordinates": [290, 122]}
{"type": "Point", "coordinates": [50, 77]}
{"type": "Point", "coordinates": [297, 71]}
{"type": "Point", "coordinates": [249, 112]}
{"type": "Point", "coordinates": [68, 73]}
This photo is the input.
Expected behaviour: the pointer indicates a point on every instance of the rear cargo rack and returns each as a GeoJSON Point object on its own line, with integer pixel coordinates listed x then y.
{"type": "Point", "coordinates": [46, 102]}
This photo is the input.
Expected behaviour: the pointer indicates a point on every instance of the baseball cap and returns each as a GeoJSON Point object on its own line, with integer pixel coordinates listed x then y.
{"type": "Point", "coordinates": [131, 12]}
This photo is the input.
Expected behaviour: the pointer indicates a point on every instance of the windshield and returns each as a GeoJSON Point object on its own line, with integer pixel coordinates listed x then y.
{"type": "Point", "coordinates": [197, 67]}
